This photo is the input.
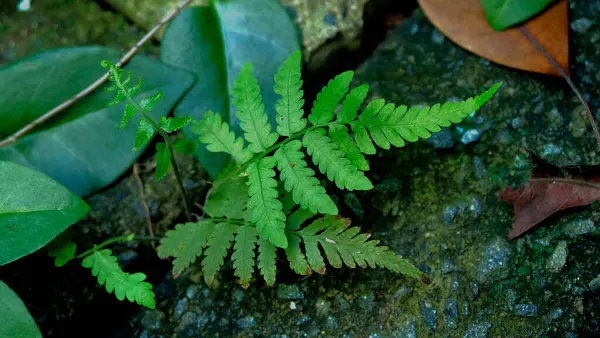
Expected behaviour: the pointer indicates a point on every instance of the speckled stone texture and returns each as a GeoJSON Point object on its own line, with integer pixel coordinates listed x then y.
{"type": "Point", "coordinates": [438, 206]}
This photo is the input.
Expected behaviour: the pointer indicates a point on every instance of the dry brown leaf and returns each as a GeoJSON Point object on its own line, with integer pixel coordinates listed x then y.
{"type": "Point", "coordinates": [464, 22]}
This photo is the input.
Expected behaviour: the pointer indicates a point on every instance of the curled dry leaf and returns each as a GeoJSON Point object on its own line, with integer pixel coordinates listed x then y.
{"type": "Point", "coordinates": [551, 189]}
{"type": "Point", "coordinates": [464, 22]}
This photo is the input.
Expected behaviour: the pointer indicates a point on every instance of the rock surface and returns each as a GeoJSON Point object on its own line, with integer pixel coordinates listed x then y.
{"type": "Point", "coordinates": [440, 209]}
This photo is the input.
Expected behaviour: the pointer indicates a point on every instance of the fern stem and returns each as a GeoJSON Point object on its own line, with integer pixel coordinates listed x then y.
{"type": "Point", "coordinates": [106, 243]}
{"type": "Point", "coordinates": [163, 134]}
{"type": "Point", "coordinates": [230, 221]}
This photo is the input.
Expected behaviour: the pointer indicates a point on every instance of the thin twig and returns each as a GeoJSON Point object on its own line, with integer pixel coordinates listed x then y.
{"type": "Point", "coordinates": [13, 138]}
{"type": "Point", "coordinates": [136, 174]}
{"type": "Point", "coordinates": [567, 78]}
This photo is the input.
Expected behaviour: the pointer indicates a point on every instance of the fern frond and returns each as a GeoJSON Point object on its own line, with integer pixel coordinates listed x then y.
{"type": "Point", "coordinates": [163, 161]}
{"type": "Point", "coordinates": [251, 111]}
{"type": "Point", "coordinates": [185, 243]}
{"type": "Point", "coordinates": [243, 253]}
{"type": "Point", "coordinates": [345, 245]}
{"type": "Point", "coordinates": [143, 135]}
{"type": "Point", "coordinates": [387, 125]}
{"type": "Point", "coordinates": [217, 136]}
{"type": "Point", "coordinates": [264, 205]}
{"type": "Point", "coordinates": [329, 97]}
{"type": "Point", "coordinates": [216, 250]}
{"type": "Point", "coordinates": [171, 124]}
{"type": "Point", "coordinates": [339, 135]}
{"type": "Point", "coordinates": [333, 162]}
{"type": "Point", "coordinates": [293, 252]}
{"type": "Point", "coordinates": [149, 102]}
{"type": "Point", "coordinates": [228, 199]}
{"type": "Point", "coordinates": [300, 180]}
{"type": "Point", "coordinates": [352, 102]}
{"type": "Point", "coordinates": [127, 116]}
{"type": "Point", "coordinates": [267, 255]}
{"type": "Point", "coordinates": [288, 84]}
{"type": "Point", "coordinates": [105, 267]}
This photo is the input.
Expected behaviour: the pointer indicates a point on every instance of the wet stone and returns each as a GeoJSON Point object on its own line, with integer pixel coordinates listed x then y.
{"type": "Point", "coordinates": [526, 310]}
{"type": "Point", "coordinates": [495, 260]}
{"type": "Point", "coordinates": [408, 330]}
{"type": "Point", "coordinates": [478, 330]}
{"type": "Point", "coordinates": [442, 139]}
{"type": "Point", "coordinates": [449, 214]}
{"type": "Point", "coordinates": [289, 292]}
{"type": "Point", "coordinates": [428, 314]}
{"type": "Point", "coordinates": [581, 25]}
{"type": "Point", "coordinates": [579, 227]}
{"type": "Point", "coordinates": [558, 258]}
{"type": "Point", "coordinates": [153, 320]}
{"type": "Point", "coordinates": [245, 323]}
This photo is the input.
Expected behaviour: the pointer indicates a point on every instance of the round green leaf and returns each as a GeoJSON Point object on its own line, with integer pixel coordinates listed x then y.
{"type": "Point", "coordinates": [33, 210]}
{"type": "Point", "coordinates": [81, 148]}
{"type": "Point", "coordinates": [214, 42]}
{"type": "Point", "coordinates": [16, 321]}
{"type": "Point", "coordinates": [502, 14]}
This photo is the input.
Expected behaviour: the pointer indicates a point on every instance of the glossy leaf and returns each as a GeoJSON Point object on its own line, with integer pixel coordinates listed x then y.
{"type": "Point", "coordinates": [214, 42]}
{"type": "Point", "coordinates": [16, 321]}
{"type": "Point", "coordinates": [34, 210]}
{"type": "Point", "coordinates": [92, 152]}
{"type": "Point", "coordinates": [163, 161]}
{"type": "Point", "coordinates": [502, 14]}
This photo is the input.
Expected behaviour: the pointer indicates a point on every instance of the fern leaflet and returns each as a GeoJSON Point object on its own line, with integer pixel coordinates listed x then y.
{"type": "Point", "coordinates": [329, 97]}
{"type": "Point", "coordinates": [216, 250]}
{"type": "Point", "coordinates": [339, 135]}
{"type": "Point", "coordinates": [251, 111]}
{"type": "Point", "coordinates": [267, 254]}
{"type": "Point", "coordinates": [352, 102]}
{"type": "Point", "coordinates": [243, 254]}
{"type": "Point", "coordinates": [105, 267]}
{"type": "Point", "coordinates": [300, 180]}
{"type": "Point", "coordinates": [344, 245]}
{"type": "Point", "coordinates": [288, 84]}
{"type": "Point", "coordinates": [217, 136]}
{"type": "Point", "coordinates": [264, 206]}
{"type": "Point", "coordinates": [333, 162]}
{"type": "Point", "coordinates": [185, 243]}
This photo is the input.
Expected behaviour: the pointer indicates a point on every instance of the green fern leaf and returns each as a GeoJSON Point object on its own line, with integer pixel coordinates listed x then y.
{"type": "Point", "coordinates": [217, 136]}
{"type": "Point", "coordinates": [251, 111]}
{"type": "Point", "coordinates": [229, 199]}
{"type": "Point", "coordinates": [243, 254]}
{"type": "Point", "coordinates": [329, 97]}
{"type": "Point", "coordinates": [293, 252]}
{"type": "Point", "coordinates": [216, 250]}
{"type": "Point", "coordinates": [267, 255]}
{"type": "Point", "coordinates": [387, 125]}
{"type": "Point", "coordinates": [288, 84]}
{"type": "Point", "coordinates": [185, 243]}
{"type": "Point", "coordinates": [301, 181]}
{"type": "Point", "coordinates": [170, 125]}
{"type": "Point", "coordinates": [127, 116]}
{"type": "Point", "coordinates": [143, 135]}
{"type": "Point", "coordinates": [352, 102]}
{"type": "Point", "coordinates": [344, 245]}
{"type": "Point", "coordinates": [333, 162]}
{"type": "Point", "coordinates": [134, 90]}
{"type": "Point", "coordinates": [105, 267]}
{"type": "Point", "coordinates": [163, 161]}
{"type": "Point", "coordinates": [186, 147]}
{"type": "Point", "coordinates": [339, 135]}
{"type": "Point", "coordinates": [264, 206]}
{"type": "Point", "coordinates": [149, 102]}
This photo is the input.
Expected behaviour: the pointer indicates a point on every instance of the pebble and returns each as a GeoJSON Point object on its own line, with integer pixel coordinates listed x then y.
{"type": "Point", "coordinates": [478, 330]}
{"type": "Point", "coordinates": [408, 330]}
{"type": "Point", "coordinates": [581, 25]}
{"type": "Point", "coordinates": [429, 314]}
{"type": "Point", "coordinates": [153, 320]}
{"type": "Point", "coordinates": [494, 264]}
{"type": "Point", "coordinates": [554, 314]}
{"type": "Point", "coordinates": [442, 139]}
{"type": "Point", "coordinates": [245, 323]}
{"type": "Point", "coordinates": [526, 310]}
{"type": "Point", "coordinates": [558, 258]}
{"type": "Point", "coordinates": [289, 292]}
{"type": "Point", "coordinates": [594, 284]}
{"type": "Point", "coordinates": [470, 136]}
{"type": "Point", "coordinates": [450, 214]}
{"type": "Point", "coordinates": [579, 227]}
{"type": "Point", "coordinates": [437, 37]}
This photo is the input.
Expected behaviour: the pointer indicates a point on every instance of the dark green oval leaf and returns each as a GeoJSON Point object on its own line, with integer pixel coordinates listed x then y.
{"type": "Point", "coordinates": [92, 152]}
{"type": "Point", "coordinates": [33, 210]}
{"type": "Point", "coordinates": [214, 42]}
{"type": "Point", "coordinates": [502, 14]}
{"type": "Point", "coordinates": [16, 321]}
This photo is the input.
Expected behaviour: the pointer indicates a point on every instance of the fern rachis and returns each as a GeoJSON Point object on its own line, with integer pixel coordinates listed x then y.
{"type": "Point", "coordinates": [336, 147]}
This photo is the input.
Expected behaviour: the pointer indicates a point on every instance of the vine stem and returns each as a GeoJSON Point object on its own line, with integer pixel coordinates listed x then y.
{"type": "Point", "coordinates": [54, 111]}
{"type": "Point", "coordinates": [106, 243]}
{"type": "Point", "coordinates": [163, 134]}
{"type": "Point", "coordinates": [567, 78]}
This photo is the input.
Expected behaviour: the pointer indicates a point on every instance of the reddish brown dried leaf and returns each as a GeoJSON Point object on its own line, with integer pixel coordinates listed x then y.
{"type": "Point", "coordinates": [551, 189]}
{"type": "Point", "coordinates": [464, 22]}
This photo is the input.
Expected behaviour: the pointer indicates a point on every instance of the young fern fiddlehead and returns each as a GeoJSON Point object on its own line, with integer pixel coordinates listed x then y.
{"type": "Point", "coordinates": [256, 216]}
{"type": "Point", "coordinates": [165, 152]}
